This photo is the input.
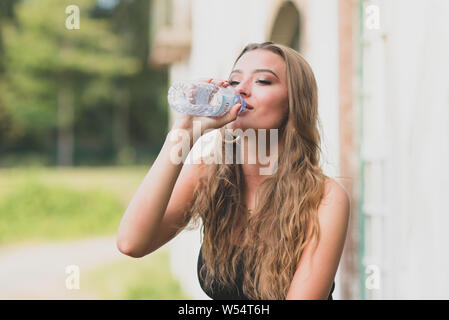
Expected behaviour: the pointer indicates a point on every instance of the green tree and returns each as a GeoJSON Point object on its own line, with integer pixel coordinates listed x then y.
{"type": "Point", "coordinates": [89, 83]}
{"type": "Point", "coordinates": [6, 16]}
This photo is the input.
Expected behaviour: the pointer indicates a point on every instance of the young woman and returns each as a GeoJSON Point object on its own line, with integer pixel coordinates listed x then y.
{"type": "Point", "coordinates": [265, 236]}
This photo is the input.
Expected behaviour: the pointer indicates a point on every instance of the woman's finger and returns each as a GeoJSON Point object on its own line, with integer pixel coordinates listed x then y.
{"type": "Point", "coordinates": [233, 113]}
{"type": "Point", "coordinates": [220, 83]}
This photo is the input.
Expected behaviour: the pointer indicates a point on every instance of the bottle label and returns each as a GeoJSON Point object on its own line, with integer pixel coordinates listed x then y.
{"type": "Point", "coordinates": [226, 103]}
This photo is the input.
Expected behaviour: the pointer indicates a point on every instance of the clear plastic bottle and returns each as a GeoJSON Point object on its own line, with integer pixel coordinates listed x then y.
{"type": "Point", "coordinates": [203, 98]}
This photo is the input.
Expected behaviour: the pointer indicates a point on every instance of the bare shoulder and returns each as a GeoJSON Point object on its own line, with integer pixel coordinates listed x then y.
{"type": "Point", "coordinates": [334, 189]}
{"type": "Point", "coordinates": [318, 264]}
{"type": "Point", "coordinates": [203, 167]}
{"type": "Point", "coordinates": [196, 170]}
{"type": "Point", "coordinates": [335, 198]}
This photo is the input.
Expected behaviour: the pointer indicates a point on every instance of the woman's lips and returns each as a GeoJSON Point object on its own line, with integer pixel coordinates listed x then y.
{"type": "Point", "coordinates": [248, 108]}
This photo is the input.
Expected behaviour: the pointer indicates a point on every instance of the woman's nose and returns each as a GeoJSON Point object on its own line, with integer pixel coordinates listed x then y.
{"type": "Point", "coordinates": [243, 89]}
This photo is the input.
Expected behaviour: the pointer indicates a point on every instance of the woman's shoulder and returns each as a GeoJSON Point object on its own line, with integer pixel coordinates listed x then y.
{"type": "Point", "coordinates": [195, 168]}
{"type": "Point", "coordinates": [333, 188]}
{"type": "Point", "coordinates": [199, 168]}
{"type": "Point", "coordinates": [335, 195]}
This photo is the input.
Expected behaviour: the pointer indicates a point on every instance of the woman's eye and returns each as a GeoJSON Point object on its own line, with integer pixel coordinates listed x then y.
{"type": "Point", "coordinates": [264, 82]}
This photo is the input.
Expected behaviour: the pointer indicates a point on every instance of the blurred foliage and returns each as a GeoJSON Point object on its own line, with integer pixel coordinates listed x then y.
{"type": "Point", "coordinates": [120, 113]}
{"type": "Point", "coordinates": [49, 204]}
{"type": "Point", "coordinates": [34, 211]}
{"type": "Point", "coordinates": [69, 203]}
{"type": "Point", "coordinates": [147, 278]}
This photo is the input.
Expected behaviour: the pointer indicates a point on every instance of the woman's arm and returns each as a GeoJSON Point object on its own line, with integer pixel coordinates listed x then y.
{"type": "Point", "coordinates": [158, 206]}
{"type": "Point", "coordinates": [316, 269]}
{"type": "Point", "coordinates": [157, 209]}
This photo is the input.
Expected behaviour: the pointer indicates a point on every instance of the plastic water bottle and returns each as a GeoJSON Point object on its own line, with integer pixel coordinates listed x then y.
{"type": "Point", "coordinates": [203, 98]}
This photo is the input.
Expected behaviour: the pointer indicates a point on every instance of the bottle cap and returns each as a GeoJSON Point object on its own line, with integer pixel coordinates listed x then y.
{"type": "Point", "coordinates": [242, 101]}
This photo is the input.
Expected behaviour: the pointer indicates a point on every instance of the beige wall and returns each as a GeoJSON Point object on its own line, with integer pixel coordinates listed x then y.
{"type": "Point", "coordinates": [405, 134]}
{"type": "Point", "coordinates": [385, 114]}
{"type": "Point", "coordinates": [219, 31]}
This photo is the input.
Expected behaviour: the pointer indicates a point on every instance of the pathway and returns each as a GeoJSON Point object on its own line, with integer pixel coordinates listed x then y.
{"type": "Point", "coordinates": [38, 271]}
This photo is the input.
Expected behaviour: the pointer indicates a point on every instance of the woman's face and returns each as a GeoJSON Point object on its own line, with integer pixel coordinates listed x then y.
{"type": "Point", "coordinates": [260, 78]}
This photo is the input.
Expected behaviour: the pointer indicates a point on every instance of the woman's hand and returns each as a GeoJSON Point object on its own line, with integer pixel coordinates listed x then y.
{"type": "Point", "coordinates": [185, 121]}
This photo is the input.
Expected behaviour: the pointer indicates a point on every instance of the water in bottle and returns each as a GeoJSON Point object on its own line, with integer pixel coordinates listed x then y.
{"type": "Point", "coordinates": [203, 98]}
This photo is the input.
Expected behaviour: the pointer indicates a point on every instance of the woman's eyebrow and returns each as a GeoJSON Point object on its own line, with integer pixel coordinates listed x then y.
{"type": "Point", "coordinates": [256, 71]}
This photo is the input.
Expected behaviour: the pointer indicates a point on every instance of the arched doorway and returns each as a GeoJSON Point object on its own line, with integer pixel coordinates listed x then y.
{"type": "Point", "coordinates": [286, 26]}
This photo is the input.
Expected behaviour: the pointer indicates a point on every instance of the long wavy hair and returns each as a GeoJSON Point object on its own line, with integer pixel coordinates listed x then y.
{"type": "Point", "coordinates": [269, 241]}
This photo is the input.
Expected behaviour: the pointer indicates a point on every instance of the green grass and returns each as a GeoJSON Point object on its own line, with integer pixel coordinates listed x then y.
{"type": "Point", "coordinates": [147, 278]}
{"type": "Point", "coordinates": [50, 204]}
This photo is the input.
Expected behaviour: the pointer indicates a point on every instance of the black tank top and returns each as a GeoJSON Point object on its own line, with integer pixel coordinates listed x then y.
{"type": "Point", "coordinates": [234, 293]}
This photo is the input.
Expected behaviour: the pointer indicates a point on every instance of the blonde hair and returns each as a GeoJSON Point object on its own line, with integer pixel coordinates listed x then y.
{"type": "Point", "coordinates": [273, 237]}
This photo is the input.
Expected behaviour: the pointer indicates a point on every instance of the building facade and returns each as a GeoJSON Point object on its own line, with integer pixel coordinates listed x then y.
{"type": "Point", "coordinates": [383, 104]}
